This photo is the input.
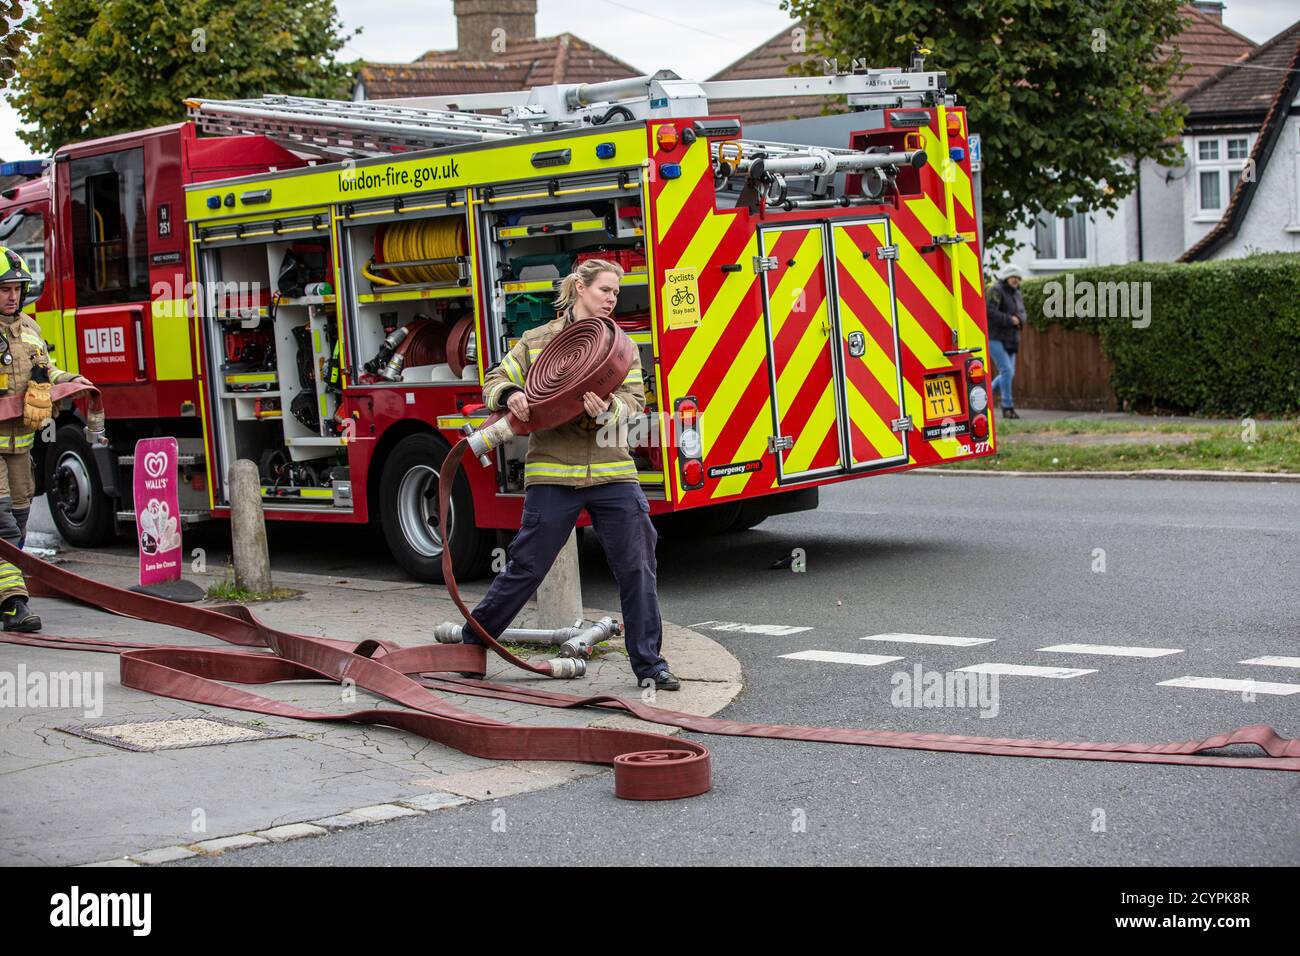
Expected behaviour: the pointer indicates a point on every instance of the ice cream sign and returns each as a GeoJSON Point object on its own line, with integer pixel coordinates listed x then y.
{"type": "Point", "coordinates": [157, 510]}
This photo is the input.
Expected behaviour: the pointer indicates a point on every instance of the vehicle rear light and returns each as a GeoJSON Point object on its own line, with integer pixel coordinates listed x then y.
{"type": "Point", "coordinates": [690, 446]}
{"type": "Point", "coordinates": [693, 473]}
{"type": "Point", "coordinates": [975, 371]}
{"type": "Point", "coordinates": [954, 124]}
{"type": "Point", "coordinates": [667, 137]}
{"type": "Point", "coordinates": [979, 427]}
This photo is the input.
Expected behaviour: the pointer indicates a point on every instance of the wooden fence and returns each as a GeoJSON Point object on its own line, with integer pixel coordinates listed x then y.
{"type": "Point", "coordinates": [1062, 369]}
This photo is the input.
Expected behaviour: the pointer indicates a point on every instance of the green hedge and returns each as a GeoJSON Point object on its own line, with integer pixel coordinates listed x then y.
{"type": "Point", "coordinates": [1223, 338]}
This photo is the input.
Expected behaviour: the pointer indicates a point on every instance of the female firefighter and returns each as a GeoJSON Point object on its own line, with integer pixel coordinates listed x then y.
{"type": "Point", "coordinates": [572, 467]}
{"type": "Point", "coordinates": [26, 370]}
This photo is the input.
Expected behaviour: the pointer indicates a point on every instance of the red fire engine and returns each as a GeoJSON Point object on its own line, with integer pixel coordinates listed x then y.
{"type": "Point", "coordinates": [319, 287]}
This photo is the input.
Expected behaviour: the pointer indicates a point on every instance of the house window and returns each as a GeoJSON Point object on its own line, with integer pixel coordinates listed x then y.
{"type": "Point", "coordinates": [1219, 164]}
{"type": "Point", "coordinates": [1061, 238]}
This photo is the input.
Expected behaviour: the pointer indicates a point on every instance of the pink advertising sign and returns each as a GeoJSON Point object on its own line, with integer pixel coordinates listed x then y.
{"type": "Point", "coordinates": [157, 510]}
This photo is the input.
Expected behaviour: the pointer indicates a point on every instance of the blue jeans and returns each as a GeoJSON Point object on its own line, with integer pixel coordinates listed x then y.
{"type": "Point", "coordinates": [1006, 363]}
{"type": "Point", "coordinates": [620, 515]}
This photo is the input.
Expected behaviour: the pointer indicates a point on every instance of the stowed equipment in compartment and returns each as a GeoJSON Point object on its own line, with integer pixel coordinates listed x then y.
{"type": "Point", "coordinates": [407, 278]}
{"type": "Point", "coordinates": [268, 313]}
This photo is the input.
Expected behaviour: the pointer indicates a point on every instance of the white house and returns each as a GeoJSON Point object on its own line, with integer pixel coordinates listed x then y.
{"type": "Point", "coordinates": [1238, 190]}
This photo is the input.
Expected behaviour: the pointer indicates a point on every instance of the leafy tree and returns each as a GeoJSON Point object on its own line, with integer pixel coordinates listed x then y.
{"type": "Point", "coordinates": [100, 67]}
{"type": "Point", "coordinates": [16, 28]}
{"type": "Point", "coordinates": [1064, 93]}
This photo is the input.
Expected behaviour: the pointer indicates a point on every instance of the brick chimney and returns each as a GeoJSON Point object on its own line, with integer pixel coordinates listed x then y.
{"type": "Point", "coordinates": [477, 21]}
{"type": "Point", "coordinates": [1211, 8]}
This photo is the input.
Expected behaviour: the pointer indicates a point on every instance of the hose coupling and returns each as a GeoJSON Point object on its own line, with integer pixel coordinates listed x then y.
{"type": "Point", "coordinates": [567, 667]}
{"type": "Point", "coordinates": [448, 633]}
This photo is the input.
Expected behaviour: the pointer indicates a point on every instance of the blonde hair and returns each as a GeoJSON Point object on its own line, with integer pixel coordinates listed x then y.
{"type": "Point", "coordinates": [586, 273]}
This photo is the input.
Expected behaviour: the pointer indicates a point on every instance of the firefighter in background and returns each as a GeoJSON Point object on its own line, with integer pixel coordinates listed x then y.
{"type": "Point", "coordinates": [25, 369]}
{"type": "Point", "coordinates": [567, 469]}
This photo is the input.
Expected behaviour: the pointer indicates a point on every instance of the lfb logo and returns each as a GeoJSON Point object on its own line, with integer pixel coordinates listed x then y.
{"type": "Point", "coordinates": [104, 341]}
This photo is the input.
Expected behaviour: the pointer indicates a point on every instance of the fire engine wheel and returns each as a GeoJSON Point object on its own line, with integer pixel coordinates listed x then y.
{"type": "Point", "coordinates": [409, 509]}
{"type": "Point", "coordinates": [81, 511]}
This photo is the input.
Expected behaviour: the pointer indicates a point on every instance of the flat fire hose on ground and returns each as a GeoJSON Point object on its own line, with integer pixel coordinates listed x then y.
{"type": "Point", "coordinates": [646, 766]}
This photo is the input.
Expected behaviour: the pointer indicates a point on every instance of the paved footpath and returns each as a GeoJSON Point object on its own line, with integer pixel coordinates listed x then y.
{"type": "Point", "coordinates": [72, 800]}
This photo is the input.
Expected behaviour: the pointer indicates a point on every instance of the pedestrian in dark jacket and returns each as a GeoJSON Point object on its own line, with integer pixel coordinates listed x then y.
{"type": "Point", "coordinates": [1006, 314]}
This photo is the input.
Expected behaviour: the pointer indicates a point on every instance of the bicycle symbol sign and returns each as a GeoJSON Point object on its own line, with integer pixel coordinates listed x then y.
{"type": "Point", "coordinates": [681, 297]}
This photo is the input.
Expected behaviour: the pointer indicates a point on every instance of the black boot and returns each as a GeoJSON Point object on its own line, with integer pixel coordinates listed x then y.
{"type": "Point", "coordinates": [18, 616]}
{"type": "Point", "coordinates": [1009, 412]}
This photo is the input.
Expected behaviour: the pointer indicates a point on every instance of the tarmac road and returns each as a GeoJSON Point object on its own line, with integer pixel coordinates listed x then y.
{"type": "Point", "coordinates": [1204, 569]}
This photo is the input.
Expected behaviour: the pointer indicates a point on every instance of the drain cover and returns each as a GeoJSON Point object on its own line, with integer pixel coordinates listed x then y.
{"type": "Point", "coordinates": [171, 733]}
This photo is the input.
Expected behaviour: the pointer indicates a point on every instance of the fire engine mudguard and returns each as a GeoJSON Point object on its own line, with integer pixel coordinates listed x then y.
{"type": "Point", "coordinates": [408, 504]}
{"type": "Point", "coordinates": [756, 510]}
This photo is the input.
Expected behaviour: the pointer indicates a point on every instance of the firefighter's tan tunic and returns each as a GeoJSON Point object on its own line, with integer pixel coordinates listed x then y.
{"type": "Point", "coordinates": [578, 454]}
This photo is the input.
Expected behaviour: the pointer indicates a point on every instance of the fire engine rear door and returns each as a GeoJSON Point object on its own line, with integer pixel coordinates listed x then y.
{"type": "Point", "coordinates": [803, 363]}
{"type": "Point", "coordinates": [872, 385]}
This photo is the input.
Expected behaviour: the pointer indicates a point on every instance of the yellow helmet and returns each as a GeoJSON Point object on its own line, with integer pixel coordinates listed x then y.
{"type": "Point", "coordinates": [14, 269]}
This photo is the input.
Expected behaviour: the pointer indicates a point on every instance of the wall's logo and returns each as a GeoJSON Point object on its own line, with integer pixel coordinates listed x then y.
{"type": "Point", "coordinates": [104, 341]}
{"type": "Point", "coordinates": [155, 463]}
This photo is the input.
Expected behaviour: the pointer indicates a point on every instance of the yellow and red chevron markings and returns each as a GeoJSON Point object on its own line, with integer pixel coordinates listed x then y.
{"type": "Point", "coordinates": [724, 362]}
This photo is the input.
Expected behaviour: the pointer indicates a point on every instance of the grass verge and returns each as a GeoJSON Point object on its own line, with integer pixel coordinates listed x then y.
{"type": "Point", "coordinates": [1108, 445]}
{"type": "Point", "coordinates": [228, 591]}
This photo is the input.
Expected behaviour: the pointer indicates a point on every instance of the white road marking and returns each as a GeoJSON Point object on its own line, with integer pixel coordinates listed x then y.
{"type": "Point", "coordinates": [841, 657]}
{"type": "Point", "coordinates": [1026, 670]}
{"type": "Point", "coordinates": [1274, 661]}
{"type": "Point", "coordinates": [772, 630]}
{"type": "Point", "coordinates": [1115, 650]}
{"type": "Point", "coordinates": [930, 639]}
{"type": "Point", "coordinates": [1237, 686]}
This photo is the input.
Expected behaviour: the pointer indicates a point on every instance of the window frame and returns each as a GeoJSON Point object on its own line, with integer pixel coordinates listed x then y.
{"type": "Point", "coordinates": [1058, 223]}
{"type": "Point", "coordinates": [1223, 168]}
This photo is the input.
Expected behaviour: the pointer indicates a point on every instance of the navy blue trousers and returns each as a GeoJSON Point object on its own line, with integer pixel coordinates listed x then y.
{"type": "Point", "coordinates": [620, 515]}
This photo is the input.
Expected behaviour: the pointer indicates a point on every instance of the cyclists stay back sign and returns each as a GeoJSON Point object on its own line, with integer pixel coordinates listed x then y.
{"type": "Point", "coordinates": [681, 298]}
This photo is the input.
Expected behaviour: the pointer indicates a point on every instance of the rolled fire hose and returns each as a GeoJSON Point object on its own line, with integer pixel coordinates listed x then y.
{"type": "Point", "coordinates": [458, 341]}
{"type": "Point", "coordinates": [646, 766]}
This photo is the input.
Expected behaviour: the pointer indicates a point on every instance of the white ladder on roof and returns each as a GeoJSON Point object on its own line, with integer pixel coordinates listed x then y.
{"type": "Point", "coordinates": [343, 129]}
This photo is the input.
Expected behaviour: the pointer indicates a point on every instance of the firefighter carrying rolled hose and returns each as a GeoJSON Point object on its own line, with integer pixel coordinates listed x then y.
{"type": "Point", "coordinates": [569, 468]}
{"type": "Point", "coordinates": [25, 369]}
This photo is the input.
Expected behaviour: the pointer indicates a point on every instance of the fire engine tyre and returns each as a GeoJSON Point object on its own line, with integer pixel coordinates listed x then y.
{"type": "Point", "coordinates": [80, 509]}
{"type": "Point", "coordinates": [408, 494]}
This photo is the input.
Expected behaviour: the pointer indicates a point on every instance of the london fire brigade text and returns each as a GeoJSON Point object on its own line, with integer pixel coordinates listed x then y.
{"type": "Point", "coordinates": [353, 180]}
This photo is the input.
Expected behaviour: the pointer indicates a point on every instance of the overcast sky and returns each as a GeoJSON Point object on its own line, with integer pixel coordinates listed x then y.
{"type": "Point", "coordinates": [693, 37]}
